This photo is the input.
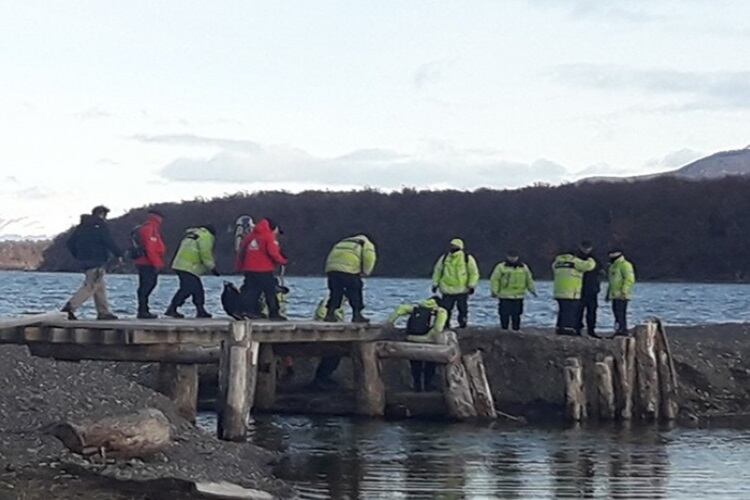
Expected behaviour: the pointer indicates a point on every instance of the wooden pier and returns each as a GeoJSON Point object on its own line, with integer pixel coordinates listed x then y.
{"type": "Point", "coordinates": [247, 352]}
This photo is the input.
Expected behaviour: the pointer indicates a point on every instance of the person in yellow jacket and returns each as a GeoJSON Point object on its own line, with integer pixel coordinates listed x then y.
{"type": "Point", "coordinates": [509, 283]}
{"type": "Point", "coordinates": [350, 260]}
{"type": "Point", "coordinates": [456, 275]}
{"type": "Point", "coordinates": [194, 258]}
{"type": "Point", "coordinates": [426, 321]}
{"type": "Point", "coordinates": [621, 282]}
{"type": "Point", "coordinates": [567, 270]}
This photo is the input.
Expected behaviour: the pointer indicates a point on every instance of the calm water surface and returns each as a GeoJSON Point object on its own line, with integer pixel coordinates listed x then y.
{"type": "Point", "coordinates": [355, 458]}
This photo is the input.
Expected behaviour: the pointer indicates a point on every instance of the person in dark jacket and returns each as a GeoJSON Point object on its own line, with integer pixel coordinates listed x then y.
{"type": "Point", "coordinates": [589, 291]}
{"type": "Point", "coordinates": [92, 246]}
{"type": "Point", "coordinates": [150, 259]}
{"type": "Point", "coordinates": [257, 258]}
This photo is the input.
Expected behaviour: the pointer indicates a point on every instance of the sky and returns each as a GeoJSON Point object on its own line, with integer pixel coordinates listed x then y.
{"type": "Point", "coordinates": [138, 102]}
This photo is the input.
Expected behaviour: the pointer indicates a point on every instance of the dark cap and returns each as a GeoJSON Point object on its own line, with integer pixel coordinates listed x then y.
{"type": "Point", "coordinates": [273, 225]}
{"type": "Point", "coordinates": [586, 244]}
{"type": "Point", "coordinates": [99, 210]}
{"type": "Point", "coordinates": [154, 211]}
{"type": "Point", "coordinates": [615, 250]}
{"type": "Point", "coordinates": [511, 253]}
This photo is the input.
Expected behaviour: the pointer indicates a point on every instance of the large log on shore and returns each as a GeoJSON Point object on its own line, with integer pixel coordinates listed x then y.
{"type": "Point", "coordinates": [135, 435]}
{"type": "Point", "coordinates": [237, 378]}
{"type": "Point", "coordinates": [647, 372]}
{"type": "Point", "coordinates": [368, 382]}
{"type": "Point", "coordinates": [480, 386]}
{"type": "Point", "coordinates": [575, 394]}
{"type": "Point", "coordinates": [434, 353]}
{"type": "Point", "coordinates": [180, 384]}
{"type": "Point", "coordinates": [456, 387]}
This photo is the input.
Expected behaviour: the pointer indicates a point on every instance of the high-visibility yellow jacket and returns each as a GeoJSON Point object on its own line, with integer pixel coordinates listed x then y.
{"type": "Point", "coordinates": [353, 255]}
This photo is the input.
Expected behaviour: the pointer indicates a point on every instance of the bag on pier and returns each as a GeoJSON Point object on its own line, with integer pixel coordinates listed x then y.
{"type": "Point", "coordinates": [230, 300]}
{"type": "Point", "coordinates": [136, 250]}
{"type": "Point", "coordinates": [420, 321]}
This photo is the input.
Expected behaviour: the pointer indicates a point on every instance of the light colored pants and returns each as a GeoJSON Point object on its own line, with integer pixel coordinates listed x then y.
{"type": "Point", "coordinates": [93, 285]}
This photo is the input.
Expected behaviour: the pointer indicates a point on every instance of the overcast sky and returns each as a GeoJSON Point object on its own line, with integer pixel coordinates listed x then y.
{"type": "Point", "coordinates": [127, 103]}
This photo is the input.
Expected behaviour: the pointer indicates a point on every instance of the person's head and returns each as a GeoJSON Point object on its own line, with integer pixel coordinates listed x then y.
{"type": "Point", "coordinates": [274, 226]}
{"type": "Point", "coordinates": [586, 247]}
{"type": "Point", "coordinates": [614, 253]}
{"type": "Point", "coordinates": [210, 228]}
{"type": "Point", "coordinates": [456, 245]}
{"type": "Point", "coordinates": [100, 211]}
{"type": "Point", "coordinates": [153, 213]}
{"type": "Point", "coordinates": [512, 256]}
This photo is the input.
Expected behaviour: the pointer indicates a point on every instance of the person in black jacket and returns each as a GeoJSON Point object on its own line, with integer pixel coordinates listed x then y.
{"type": "Point", "coordinates": [92, 246]}
{"type": "Point", "coordinates": [590, 290]}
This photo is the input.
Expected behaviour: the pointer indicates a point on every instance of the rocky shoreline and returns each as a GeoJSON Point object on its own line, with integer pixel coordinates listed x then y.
{"type": "Point", "coordinates": [37, 393]}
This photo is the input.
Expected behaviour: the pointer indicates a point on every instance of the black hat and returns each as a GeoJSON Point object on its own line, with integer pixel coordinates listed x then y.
{"type": "Point", "coordinates": [155, 211]}
{"type": "Point", "coordinates": [614, 250]}
{"type": "Point", "coordinates": [511, 253]}
{"type": "Point", "coordinates": [99, 210]}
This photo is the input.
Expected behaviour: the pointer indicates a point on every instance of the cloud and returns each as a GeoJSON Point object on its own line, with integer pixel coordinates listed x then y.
{"type": "Point", "coordinates": [704, 90]}
{"type": "Point", "coordinates": [587, 9]}
{"type": "Point", "coordinates": [199, 141]}
{"type": "Point", "coordinates": [93, 113]}
{"type": "Point", "coordinates": [428, 74]}
{"type": "Point", "coordinates": [438, 166]}
{"type": "Point", "coordinates": [675, 159]}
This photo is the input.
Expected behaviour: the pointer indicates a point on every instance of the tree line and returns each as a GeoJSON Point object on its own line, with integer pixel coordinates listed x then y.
{"type": "Point", "coordinates": [671, 229]}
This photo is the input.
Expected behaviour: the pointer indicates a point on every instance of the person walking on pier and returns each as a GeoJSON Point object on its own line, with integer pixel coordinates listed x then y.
{"type": "Point", "coordinates": [620, 290]}
{"type": "Point", "coordinates": [194, 258]}
{"type": "Point", "coordinates": [258, 256]}
{"type": "Point", "coordinates": [148, 251]}
{"type": "Point", "coordinates": [568, 270]}
{"type": "Point", "coordinates": [509, 282]}
{"type": "Point", "coordinates": [426, 321]}
{"type": "Point", "coordinates": [589, 291]}
{"type": "Point", "coordinates": [350, 260]}
{"type": "Point", "coordinates": [456, 275]}
{"type": "Point", "coordinates": [92, 246]}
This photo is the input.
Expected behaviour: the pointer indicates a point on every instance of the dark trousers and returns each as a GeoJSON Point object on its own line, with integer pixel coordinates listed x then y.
{"type": "Point", "coordinates": [510, 311]}
{"type": "Point", "coordinates": [147, 278]}
{"type": "Point", "coordinates": [190, 286]}
{"type": "Point", "coordinates": [461, 302]}
{"type": "Point", "coordinates": [567, 315]}
{"type": "Point", "coordinates": [254, 285]}
{"type": "Point", "coordinates": [327, 366]}
{"type": "Point", "coordinates": [620, 310]}
{"type": "Point", "coordinates": [422, 373]}
{"type": "Point", "coordinates": [588, 308]}
{"type": "Point", "coordinates": [342, 285]}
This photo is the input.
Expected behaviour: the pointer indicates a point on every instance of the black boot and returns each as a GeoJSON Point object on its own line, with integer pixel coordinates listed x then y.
{"type": "Point", "coordinates": [358, 318]}
{"type": "Point", "coordinates": [330, 317]}
{"type": "Point", "coordinates": [67, 309]}
{"type": "Point", "coordinates": [145, 313]}
{"type": "Point", "coordinates": [202, 313]}
{"type": "Point", "coordinates": [172, 312]}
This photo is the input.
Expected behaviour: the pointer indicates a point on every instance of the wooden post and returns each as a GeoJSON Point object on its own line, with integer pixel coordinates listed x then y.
{"type": "Point", "coordinates": [265, 393]}
{"type": "Point", "coordinates": [575, 394]}
{"type": "Point", "coordinates": [456, 388]}
{"type": "Point", "coordinates": [605, 388]}
{"type": "Point", "coordinates": [369, 387]}
{"type": "Point", "coordinates": [180, 384]}
{"type": "Point", "coordinates": [625, 380]}
{"type": "Point", "coordinates": [237, 376]}
{"type": "Point", "coordinates": [480, 386]}
{"type": "Point", "coordinates": [667, 389]}
{"type": "Point", "coordinates": [646, 365]}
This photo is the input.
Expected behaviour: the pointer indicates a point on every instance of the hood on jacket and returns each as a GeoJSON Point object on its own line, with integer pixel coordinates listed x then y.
{"type": "Point", "coordinates": [431, 303]}
{"type": "Point", "coordinates": [155, 219]}
{"type": "Point", "coordinates": [457, 243]}
{"type": "Point", "coordinates": [263, 227]}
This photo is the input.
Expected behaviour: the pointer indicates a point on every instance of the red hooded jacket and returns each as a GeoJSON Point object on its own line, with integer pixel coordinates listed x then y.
{"type": "Point", "coordinates": [259, 251]}
{"type": "Point", "coordinates": [150, 238]}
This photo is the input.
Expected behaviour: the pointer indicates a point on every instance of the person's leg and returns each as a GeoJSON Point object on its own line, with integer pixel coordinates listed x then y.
{"type": "Point", "coordinates": [199, 297]}
{"type": "Point", "coordinates": [250, 295]}
{"type": "Point", "coordinates": [462, 301]}
{"type": "Point", "coordinates": [100, 296]}
{"type": "Point", "coordinates": [447, 302]}
{"type": "Point", "coordinates": [417, 370]}
{"type": "Point", "coordinates": [335, 294]}
{"type": "Point", "coordinates": [84, 292]}
{"type": "Point", "coordinates": [625, 316]}
{"type": "Point", "coordinates": [619, 308]}
{"type": "Point", "coordinates": [268, 287]}
{"type": "Point", "coordinates": [504, 314]}
{"type": "Point", "coordinates": [147, 278]}
{"type": "Point", "coordinates": [181, 295]}
{"type": "Point", "coordinates": [516, 314]}
{"type": "Point", "coordinates": [353, 292]}
{"type": "Point", "coordinates": [592, 305]}
{"type": "Point", "coordinates": [582, 311]}
{"type": "Point", "coordinates": [428, 372]}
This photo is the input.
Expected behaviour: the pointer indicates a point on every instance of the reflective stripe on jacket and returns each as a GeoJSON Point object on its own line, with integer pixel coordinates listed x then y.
{"type": "Point", "coordinates": [568, 270]}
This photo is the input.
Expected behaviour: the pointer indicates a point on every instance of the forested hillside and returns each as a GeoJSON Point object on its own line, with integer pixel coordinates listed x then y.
{"type": "Point", "coordinates": [670, 228]}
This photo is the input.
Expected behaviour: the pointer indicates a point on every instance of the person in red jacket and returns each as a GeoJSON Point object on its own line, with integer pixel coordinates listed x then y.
{"type": "Point", "coordinates": [258, 256]}
{"type": "Point", "coordinates": [150, 259]}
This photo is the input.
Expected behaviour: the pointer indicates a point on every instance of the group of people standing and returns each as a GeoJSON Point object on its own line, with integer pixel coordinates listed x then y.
{"type": "Point", "coordinates": [455, 275]}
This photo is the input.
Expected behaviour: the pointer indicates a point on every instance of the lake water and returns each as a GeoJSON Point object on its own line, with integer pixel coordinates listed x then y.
{"type": "Point", "coordinates": [360, 458]}
{"type": "Point", "coordinates": [675, 303]}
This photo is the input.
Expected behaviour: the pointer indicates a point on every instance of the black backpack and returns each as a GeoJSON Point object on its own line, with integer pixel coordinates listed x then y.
{"type": "Point", "coordinates": [136, 250]}
{"type": "Point", "coordinates": [231, 301]}
{"type": "Point", "coordinates": [420, 321]}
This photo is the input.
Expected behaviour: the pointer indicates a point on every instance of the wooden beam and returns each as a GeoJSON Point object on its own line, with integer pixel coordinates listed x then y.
{"type": "Point", "coordinates": [575, 394]}
{"type": "Point", "coordinates": [368, 384]}
{"type": "Point", "coordinates": [625, 380]}
{"type": "Point", "coordinates": [456, 387]}
{"type": "Point", "coordinates": [169, 353]}
{"type": "Point", "coordinates": [237, 377]}
{"type": "Point", "coordinates": [417, 351]}
{"type": "Point", "coordinates": [605, 388]}
{"type": "Point", "coordinates": [31, 319]}
{"type": "Point", "coordinates": [312, 349]}
{"type": "Point", "coordinates": [647, 372]}
{"type": "Point", "coordinates": [480, 385]}
{"type": "Point", "coordinates": [179, 382]}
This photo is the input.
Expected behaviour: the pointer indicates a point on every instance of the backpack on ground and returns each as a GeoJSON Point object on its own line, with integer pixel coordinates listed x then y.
{"type": "Point", "coordinates": [230, 300]}
{"type": "Point", "coordinates": [137, 250]}
{"type": "Point", "coordinates": [420, 321]}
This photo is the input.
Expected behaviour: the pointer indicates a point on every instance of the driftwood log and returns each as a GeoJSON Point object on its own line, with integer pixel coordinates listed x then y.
{"type": "Point", "coordinates": [480, 386]}
{"type": "Point", "coordinates": [575, 394]}
{"type": "Point", "coordinates": [667, 375]}
{"type": "Point", "coordinates": [647, 372]}
{"type": "Point", "coordinates": [605, 388]}
{"type": "Point", "coordinates": [368, 383]}
{"type": "Point", "coordinates": [434, 353]}
{"type": "Point", "coordinates": [625, 380]}
{"type": "Point", "coordinates": [456, 387]}
{"type": "Point", "coordinates": [138, 434]}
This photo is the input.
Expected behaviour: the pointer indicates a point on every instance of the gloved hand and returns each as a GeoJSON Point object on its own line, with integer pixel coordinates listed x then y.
{"type": "Point", "coordinates": [215, 272]}
{"type": "Point", "coordinates": [435, 288]}
{"type": "Point", "coordinates": [535, 294]}
{"type": "Point", "coordinates": [471, 291]}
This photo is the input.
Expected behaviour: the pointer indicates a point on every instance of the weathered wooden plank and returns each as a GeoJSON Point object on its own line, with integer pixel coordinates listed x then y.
{"type": "Point", "coordinates": [174, 353]}
{"type": "Point", "coordinates": [575, 394]}
{"type": "Point", "coordinates": [30, 320]}
{"type": "Point", "coordinates": [179, 382]}
{"type": "Point", "coordinates": [456, 387]}
{"type": "Point", "coordinates": [265, 391]}
{"type": "Point", "coordinates": [625, 380]}
{"type": "Point", "coordinates": [667, 389]}
{"type": "Point", "coordinates": [237, 381]}
{"type": "Point", "coordinates": [604, 371]}
{"type": "Point", "coordinates": [480, 385]}
{"type": "Point", "coordinates": [312, 349]}
{"type": "Point", "coordinates": [368, 384]}
{"type": "Point", "coordinates": [647, 372]}
{"type": "Point", "coordinates": [417, 351]}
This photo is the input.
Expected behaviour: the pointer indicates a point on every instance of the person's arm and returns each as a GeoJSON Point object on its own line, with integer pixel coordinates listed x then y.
{"type": "Point", "coordinates": [71, 243]}
{"type": "Point", "coordinates": [530, 286]}
{"type": "Point", "coordinates": [437, 272]}
{"type": "Point", "coordinates": [473, 271]}
{"type": "Point", "coordinates": [109, 242]}
{"type": "Point", "coordinates": [369, 258]}
{"type": "Point", "coordinates": [149, 240]}
{"type": "Point", "coordinates": [495, 281]}
{"type": "Point", "coordinates": [205, 244]}
{"type": "Point", "coordinates": [584, 265]}
{"type": "Point", "coordinates": [274, 251]}
{"type": "Point", "coordinates": [402, 310]}
{"type": "Point", "coordinates": [628, 279]}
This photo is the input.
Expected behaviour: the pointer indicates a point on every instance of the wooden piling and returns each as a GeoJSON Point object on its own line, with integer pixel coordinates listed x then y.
{"type": "Point", "coordinates": [265, 391]}
{"type": "Point", "coordinates": [575, 394]}
{"type": "Point", "coordinates": [369, 387]}
{"type": "Point", "coordinates": [237, 378]}
{"type": "Point", "coordinates": [484, 403]}
{"type": "Point", "coordinates": [625, 380]}
{"type": "Point", "coordinates": [456, 387]}
{"type": "Point", "coordinates": [647, 372]}
{"type": "Point", "coordinates": [179, 382]}
{"type": "Point", "coordinates": [667, 389]}
{"type": "Point", "coordinates": [605, 388]}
